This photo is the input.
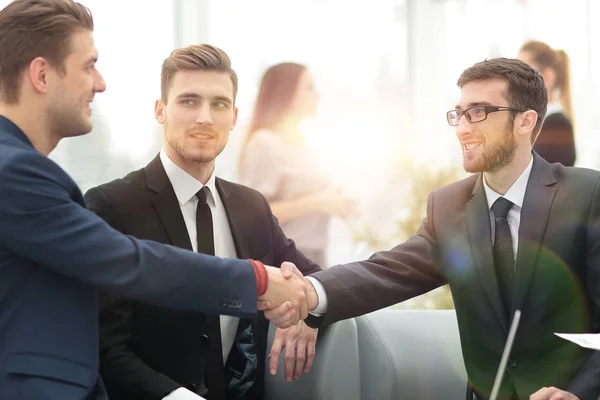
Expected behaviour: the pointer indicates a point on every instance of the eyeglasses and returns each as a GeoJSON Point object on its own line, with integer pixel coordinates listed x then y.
{"type": "Point", "coordinates": [475, 113]}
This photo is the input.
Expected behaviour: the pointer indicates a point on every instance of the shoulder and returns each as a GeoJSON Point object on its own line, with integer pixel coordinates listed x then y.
{"type": "Point", "coordinates": [131, 186]}
{"type": "Point", "coordinates": [24, 164]}
{"type": "Point", "coordinates": [241, 191]}
{"type": "Point", "coordinates": [582, 178]}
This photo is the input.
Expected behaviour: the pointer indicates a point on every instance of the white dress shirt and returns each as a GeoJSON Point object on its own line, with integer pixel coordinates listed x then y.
{"type": "Point", "coordinates": [186, 187]}
{"type": "Point", "coordinates": [516, 194]}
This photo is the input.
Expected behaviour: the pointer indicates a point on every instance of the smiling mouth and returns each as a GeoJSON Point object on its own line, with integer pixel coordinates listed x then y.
{"type": "Point", "coordinates": [201, 136]}
{"type": "Point", "coordinates": [468, 147]}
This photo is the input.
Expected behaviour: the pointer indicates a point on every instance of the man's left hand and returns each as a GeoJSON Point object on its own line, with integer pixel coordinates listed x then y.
{"type": "Point", "coordinates": [552, 393]}
{"type": "Point", "coordinates": [299, 342]}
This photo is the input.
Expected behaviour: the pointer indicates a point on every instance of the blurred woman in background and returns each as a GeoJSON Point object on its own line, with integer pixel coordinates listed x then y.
{"type": "Point", "coordinates": [274, 160]}
{"type": "Point", "coordinates": [556, 142]}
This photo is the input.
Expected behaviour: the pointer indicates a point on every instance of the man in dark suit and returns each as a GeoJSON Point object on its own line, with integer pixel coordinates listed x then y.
{"type": "Point", "coordinates": [54, 252]}
{"type": "Point", "coordinates": [153, 353]}
{"type": "Point", "coordinates": [518, 234]}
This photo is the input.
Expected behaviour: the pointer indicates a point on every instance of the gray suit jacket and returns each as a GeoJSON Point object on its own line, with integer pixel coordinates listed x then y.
{"type": "Point", "coordinates": [557, 281]}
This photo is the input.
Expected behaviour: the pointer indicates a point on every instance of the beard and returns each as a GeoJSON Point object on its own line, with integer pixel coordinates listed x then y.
{"type": "Point", "coordinates": [494, 157]}
{"type": "Point", "coordinates": [192, 154]}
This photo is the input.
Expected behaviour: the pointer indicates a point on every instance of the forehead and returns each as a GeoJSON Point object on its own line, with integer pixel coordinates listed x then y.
{"type": "Point", "coordinates": [82, 46]}
{"type": "Point", "coordinates": [491, 91]}
{"type": "Point", "coordinates": [204, 83]}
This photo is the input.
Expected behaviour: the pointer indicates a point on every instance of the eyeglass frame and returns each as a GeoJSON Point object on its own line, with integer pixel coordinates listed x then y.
{"type": "Point", "coordinates": [488, 110]}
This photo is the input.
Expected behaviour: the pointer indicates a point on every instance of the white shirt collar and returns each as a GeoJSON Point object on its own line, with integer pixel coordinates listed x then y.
{"type": "Point", "coordinates": [516, 193]}
{"type": "Point", "coordinates": [185, 185]}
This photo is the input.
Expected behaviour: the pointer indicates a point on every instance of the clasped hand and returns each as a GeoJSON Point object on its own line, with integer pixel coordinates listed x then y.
{"type": "Point", "coordinates": [289, 296]}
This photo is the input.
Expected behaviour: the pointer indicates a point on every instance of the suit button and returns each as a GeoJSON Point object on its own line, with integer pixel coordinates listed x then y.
{"type": "Point", "coordinates": [512, 363]}
{"type": "Point", "coordinates": [191, 387]}
{"type": "Point", "coordinates": [204, 339]}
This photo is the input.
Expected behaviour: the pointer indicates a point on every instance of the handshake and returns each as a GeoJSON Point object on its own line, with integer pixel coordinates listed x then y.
{"type": "Point", "coordinates": [289, 296]}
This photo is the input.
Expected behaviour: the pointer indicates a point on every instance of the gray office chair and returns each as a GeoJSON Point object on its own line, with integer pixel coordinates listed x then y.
{"type": "Point", "coordinates": [388, 354]}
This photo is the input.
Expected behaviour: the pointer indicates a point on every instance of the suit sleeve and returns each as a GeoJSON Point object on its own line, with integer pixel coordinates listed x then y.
{"type": "Point", "coordinates": [121, 369]}
{"type": "Point", "coordinates": [386, 278]}
{"type": "Point", "coordinates": [285, 248]}
{"type": "Point", "coordinates": [43, 222]}
{"type": "Point", "coordinates": [586, 383]}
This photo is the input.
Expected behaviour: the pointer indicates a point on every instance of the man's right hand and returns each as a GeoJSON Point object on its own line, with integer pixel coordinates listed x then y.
{"type": "Point", "coordinates": [287, 293]}
{"type": "Point", "coordinates": [284, 315]}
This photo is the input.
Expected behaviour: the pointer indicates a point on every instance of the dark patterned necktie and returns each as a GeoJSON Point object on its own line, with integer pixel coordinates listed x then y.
{"type": "Point", "coordinates": [206, 244]}
{"type": "Point", "coordinates": [504, 260]}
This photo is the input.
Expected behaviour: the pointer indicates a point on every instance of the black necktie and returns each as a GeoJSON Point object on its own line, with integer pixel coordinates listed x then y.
{"type": "Point", "coordinates": [206, 244]}
{"type": "Point", "coordinates": [504, 259]}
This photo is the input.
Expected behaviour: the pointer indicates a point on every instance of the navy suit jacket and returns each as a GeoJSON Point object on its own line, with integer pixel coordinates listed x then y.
{"type": "Point", "coordinates": [55, 254]}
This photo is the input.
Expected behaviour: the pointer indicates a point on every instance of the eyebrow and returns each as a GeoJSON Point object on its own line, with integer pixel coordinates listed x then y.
{"type": "Point", "coordinates": [474, 104]}
{"type": "Point", "coordinates": [190, 95]}
{"type": "Point", "coordinates": [92, 60]}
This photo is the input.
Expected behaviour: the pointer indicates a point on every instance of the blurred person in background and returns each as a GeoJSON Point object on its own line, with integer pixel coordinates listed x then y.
{"type": "Point", "coordinates": [275, 161]}
{"type": "Point", "coordinates": [556, 142]}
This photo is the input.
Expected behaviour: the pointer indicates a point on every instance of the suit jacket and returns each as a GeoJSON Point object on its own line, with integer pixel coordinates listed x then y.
{"type": "Point", "coordinates": [54, 253]}
{"type": "Point", "coordinates": [557, 279]}
{"type": "Point", "coordinates": [149, 351]}
{"type": "Point", "coordinates": [556, 141]}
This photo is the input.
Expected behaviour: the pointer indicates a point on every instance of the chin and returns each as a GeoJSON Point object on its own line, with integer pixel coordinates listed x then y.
{"type": "Point", "coordinates": [472, 166]}
{"type": "Point", "coordinates": [86, 128]}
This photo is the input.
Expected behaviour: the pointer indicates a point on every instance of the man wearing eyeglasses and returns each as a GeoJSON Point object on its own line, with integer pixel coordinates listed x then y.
{"type": "Point", "coordinates": [519, 233]}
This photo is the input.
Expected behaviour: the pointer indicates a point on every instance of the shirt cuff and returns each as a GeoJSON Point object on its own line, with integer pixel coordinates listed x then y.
{"type": "Point", "coordinates": [321, 307]}
{"type": "Point", "coordinates": [183, 394]}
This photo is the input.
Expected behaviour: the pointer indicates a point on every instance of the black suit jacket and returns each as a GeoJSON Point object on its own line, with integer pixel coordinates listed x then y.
{"type": "Point", "coordinates": [146, 352]}
{"type": "Point", "coordinates": [556, 141]}
{"type": "Point", "coordinates": [557, 279]}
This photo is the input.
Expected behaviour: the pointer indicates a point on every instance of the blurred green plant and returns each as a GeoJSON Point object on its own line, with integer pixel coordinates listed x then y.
{"type": "Point", "coordinates": [420, 180]}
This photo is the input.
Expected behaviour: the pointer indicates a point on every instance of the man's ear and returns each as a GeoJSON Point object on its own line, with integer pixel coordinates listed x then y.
{"type": "Point", "coordinates": [159, 111]}
{"type": "Point", "coordinates": [38, 74]}
{"type": "Point", "coordinates": [528, 120]}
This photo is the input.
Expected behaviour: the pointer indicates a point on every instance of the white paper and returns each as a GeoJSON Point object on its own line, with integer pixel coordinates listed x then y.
{"type": "Point", "coordinates": [587, 340]}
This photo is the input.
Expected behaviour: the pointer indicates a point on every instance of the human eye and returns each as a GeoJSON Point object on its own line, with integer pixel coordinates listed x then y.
{"type": "Point", "coordinates": [221, 105]}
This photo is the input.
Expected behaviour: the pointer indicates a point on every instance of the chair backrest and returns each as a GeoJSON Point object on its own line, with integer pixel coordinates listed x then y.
{"type": "Point", "coordinates": [335, 373]}
{"type": "Point", "coordinates": [411, 354]}
{"type": "Point", "coordinates": [388, 354]}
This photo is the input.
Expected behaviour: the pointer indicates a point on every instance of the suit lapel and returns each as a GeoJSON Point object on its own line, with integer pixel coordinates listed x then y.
{"type": "Point", "coordinates": [242, 231]}
{"type": "Point", "coordinates": [480, 239]}
{"type": "Point", "coordinates": [537, 204]}
{"type": "Point", "coordinates": [237, 215]}
{"type": "Point", "coordinates": [166, 204]}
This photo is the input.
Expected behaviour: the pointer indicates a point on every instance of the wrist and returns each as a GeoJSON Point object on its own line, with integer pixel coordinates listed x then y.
{"type": "Point", "coordinates": [262, 278]}
{"type": "Point", "coordinates": [312, 299]}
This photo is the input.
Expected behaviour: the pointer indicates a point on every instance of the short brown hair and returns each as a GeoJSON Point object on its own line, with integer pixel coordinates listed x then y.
{"type": "Point", "coordinates": [36, 28]}
{"type": "Point", "coordinates": [199, 57]}
{"type": "Point", "coordinates": [526, 89]}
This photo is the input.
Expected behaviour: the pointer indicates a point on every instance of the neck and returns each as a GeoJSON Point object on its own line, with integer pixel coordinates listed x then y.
{"type": "Point", "coordinates": [33, 124]}
{"type": "Point", "coordinates": [500, 181]}
{"type": "Point", "coordinates": [199, 170]}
